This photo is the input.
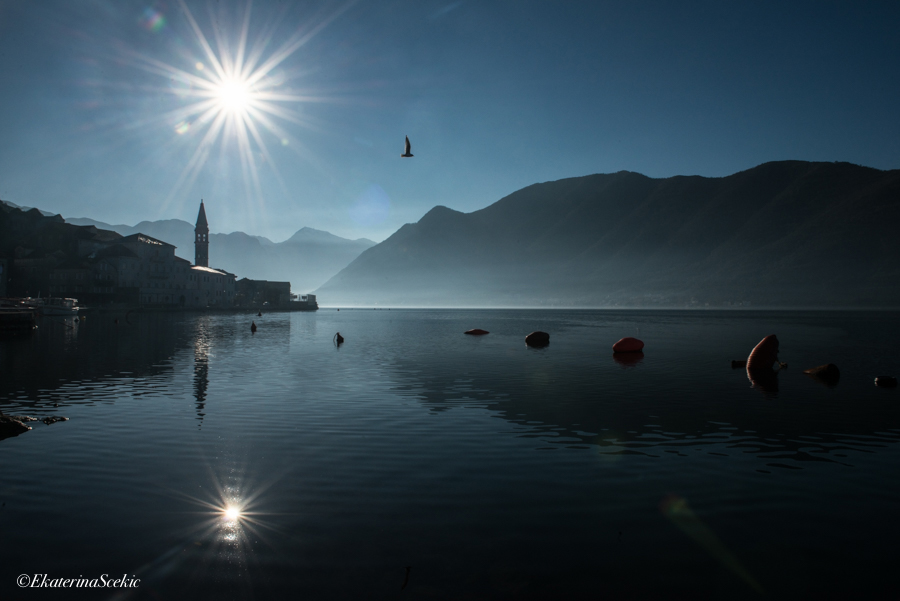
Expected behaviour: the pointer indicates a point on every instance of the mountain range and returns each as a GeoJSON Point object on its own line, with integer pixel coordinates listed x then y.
{"type": "Point", "coordinates": [787, 233]}
{"type": "Point", "coordinates": [307, 259]}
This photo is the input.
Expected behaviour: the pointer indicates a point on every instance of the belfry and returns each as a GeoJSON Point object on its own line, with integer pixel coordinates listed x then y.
{"type": "Point", "coordinates": [201, 239]}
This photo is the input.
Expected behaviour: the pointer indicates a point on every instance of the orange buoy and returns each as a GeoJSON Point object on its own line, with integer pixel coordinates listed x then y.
{"type": "Point", "coordinates": [476, 332]}
{"type": "Point", "coordinates": [628, 345]}
{"type": "Point", "coordinates": [764, 354]}
{"type": "Point", "coordinates": [759, 365]}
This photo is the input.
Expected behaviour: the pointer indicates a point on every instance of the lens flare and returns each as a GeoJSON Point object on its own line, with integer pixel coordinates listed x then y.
{"type": "Point", "coordinates": [676, 509]}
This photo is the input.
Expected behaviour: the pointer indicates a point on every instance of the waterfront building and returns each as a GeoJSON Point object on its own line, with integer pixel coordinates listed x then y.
{"type": "Point", "coordinates": [44, 256]}
{"type": "Point", "coordinates": [252, 293]}
{"type": "Point", "coordinates": [139, 269]}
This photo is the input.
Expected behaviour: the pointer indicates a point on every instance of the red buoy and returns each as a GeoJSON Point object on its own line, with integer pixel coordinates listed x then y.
{"type": "Point", "coordinates": [628, 345]}
{"type": "Point", "coordinates": [764, 354]}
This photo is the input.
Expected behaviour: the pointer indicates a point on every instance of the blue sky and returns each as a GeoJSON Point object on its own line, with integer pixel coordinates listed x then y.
{"type": "Point", "coordinates": [493, 95]}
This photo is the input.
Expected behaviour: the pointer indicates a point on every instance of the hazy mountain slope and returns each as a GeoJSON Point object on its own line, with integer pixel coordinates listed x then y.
{"type": "Point", "coordinates": [307, 259]}
{"type": "Point", "coordinates": [15, 206]}
{"type": "Point", "coordinates": [783, 233]}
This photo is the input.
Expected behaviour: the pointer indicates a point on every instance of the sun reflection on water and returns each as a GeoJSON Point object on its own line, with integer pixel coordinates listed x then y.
{"type": "Point", "coordinates": [231, 514]}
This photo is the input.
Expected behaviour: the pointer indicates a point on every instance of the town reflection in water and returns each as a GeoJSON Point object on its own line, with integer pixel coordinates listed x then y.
{"type": "Point", "coordinates": [64, 361]}
{"type": "Point", "coordinates": [202, 344]}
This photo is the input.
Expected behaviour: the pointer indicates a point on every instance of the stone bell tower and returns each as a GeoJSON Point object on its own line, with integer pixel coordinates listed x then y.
{"type": "Point", "coordinates": [201, 239]}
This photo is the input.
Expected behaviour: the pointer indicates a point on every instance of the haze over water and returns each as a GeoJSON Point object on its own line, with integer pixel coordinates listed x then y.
{"type": "Point", "coordinates": [491, 470]}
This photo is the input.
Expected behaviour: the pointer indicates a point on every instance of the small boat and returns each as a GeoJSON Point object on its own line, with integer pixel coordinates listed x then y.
{"type": "Point", "coordinates": [65, 307]}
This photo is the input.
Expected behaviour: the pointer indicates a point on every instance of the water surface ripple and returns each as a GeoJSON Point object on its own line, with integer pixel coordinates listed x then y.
{"type": "Point", "coordinates": [491, 469]}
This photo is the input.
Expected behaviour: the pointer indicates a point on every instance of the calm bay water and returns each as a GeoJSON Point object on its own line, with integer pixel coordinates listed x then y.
{"type": "Point", "coordinates": [489, 469]}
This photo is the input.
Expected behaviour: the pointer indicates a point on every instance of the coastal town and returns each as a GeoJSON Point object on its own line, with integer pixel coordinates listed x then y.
{"type": "Point", "coordinates": [45, 261]}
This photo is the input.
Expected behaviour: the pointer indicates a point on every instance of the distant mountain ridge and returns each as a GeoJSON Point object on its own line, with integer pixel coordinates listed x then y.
{"type": "Point", "coordinates": [307, 259]}
{"type": "Point", "coordinates": [787, 233]}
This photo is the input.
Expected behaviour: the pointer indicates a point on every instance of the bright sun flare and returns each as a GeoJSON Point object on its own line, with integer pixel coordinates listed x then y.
{"type": "Point", "coordinates": [231, 513]}
{"type": "Point", "coordinates": [234, 95]}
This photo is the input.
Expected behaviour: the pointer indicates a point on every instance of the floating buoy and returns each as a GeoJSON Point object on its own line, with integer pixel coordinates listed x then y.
{"type": "Point", "coordinates": [253, 326]}
{"type": "Point", "coordinates": [338, 339]}
{"type": "Point", "coordinates": [628, 345]}
{"type": "Point", "coordinates": [537, 339]}
{"type": "Point", "coordinates": [827, 374]}
{"type": "Point", "coordinates": [476, 332]}
{"type": "Point", "coordinates": [886, 382]}
{"type": "Point", "coordinates": [259, 314]}
{"type": "Point", "coordinates": [759, 365]}
{"type": "Point", "coordinates": [764, 354]}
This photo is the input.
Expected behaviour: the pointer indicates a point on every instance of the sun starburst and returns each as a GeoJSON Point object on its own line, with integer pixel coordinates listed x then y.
{"type": "Point", "coordinates": [233, 95]}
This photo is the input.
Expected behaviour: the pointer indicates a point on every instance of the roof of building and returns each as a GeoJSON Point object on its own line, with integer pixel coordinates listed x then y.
{"type": "Point", "coordinates": [210, 270]}
{"type": "Point", "coordinates": [144, 238]}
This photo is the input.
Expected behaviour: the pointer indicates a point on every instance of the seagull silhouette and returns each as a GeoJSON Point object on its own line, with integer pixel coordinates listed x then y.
{"type": "Point", "coordinates": [408, 148]}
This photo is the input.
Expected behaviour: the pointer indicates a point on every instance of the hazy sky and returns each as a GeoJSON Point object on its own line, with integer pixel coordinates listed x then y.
{"type": "Point", "coordinates": [99, 114]}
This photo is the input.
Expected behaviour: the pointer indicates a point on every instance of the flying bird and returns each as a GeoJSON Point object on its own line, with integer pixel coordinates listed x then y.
{"type": "Point", "coordinates": [408, 147]}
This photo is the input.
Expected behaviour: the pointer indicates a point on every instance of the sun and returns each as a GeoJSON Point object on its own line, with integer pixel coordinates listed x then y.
{"type": "Point", "coordinates": [234, 96]}
{"type": "Point", "coordinates": [231, 513]}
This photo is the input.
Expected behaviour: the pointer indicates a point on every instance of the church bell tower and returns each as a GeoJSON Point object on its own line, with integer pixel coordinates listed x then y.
{"type": "Point", "coordinates": [201, 239]}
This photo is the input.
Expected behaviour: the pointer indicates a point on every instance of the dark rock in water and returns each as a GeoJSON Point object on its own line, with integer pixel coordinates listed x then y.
{"type": "Point", "coordinates": [628, 359]}
{"type": "Point", "coordinates": [477, 332]}
{"type": "Point", "coordinates": [10, 427]}
{"type": "Point", "coordinates": [764, 354]}
{"type": "Point", "coordinates": [23, 418]}
{"type": "Point", "coordinates": [738, 364]}
{"type": "Point", "coordinates": [54, 418]}
{"type": "Point", "coordinates": [537, 339]}
{"type": "Point", "coordinates": [628, 345]}
{"type": "Point", "coordinates": [886, 382]}
{"type": "Point", "coordinates": [828, 374]}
